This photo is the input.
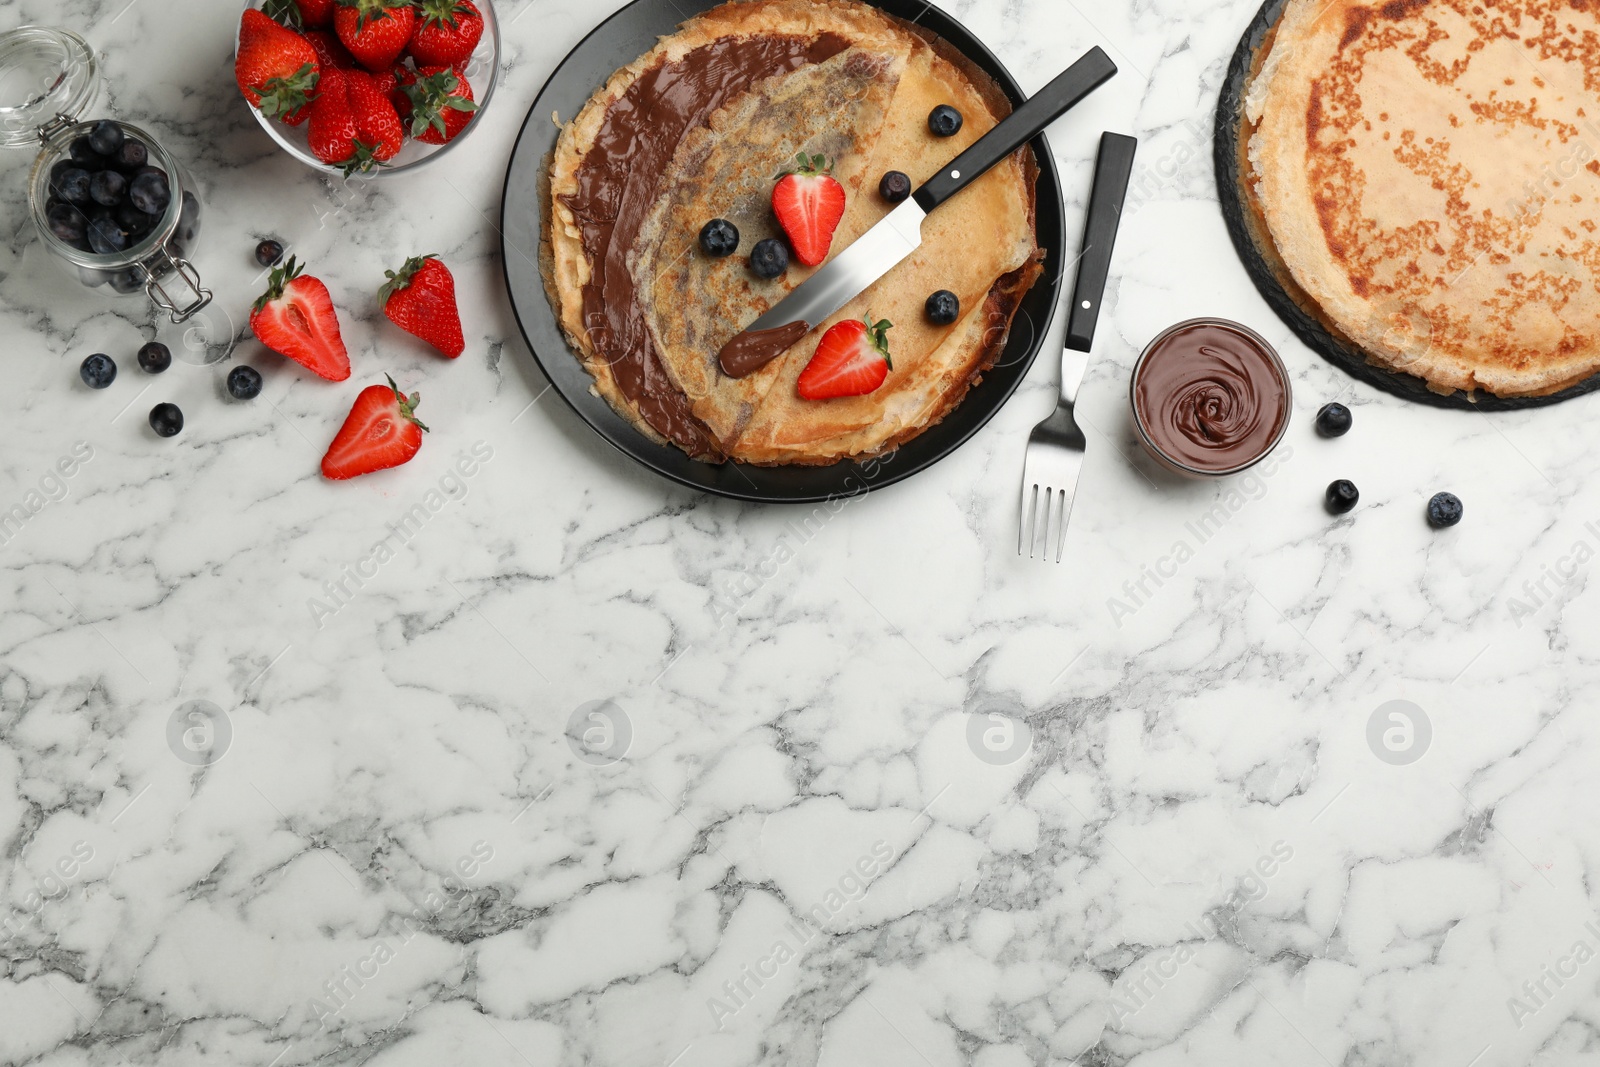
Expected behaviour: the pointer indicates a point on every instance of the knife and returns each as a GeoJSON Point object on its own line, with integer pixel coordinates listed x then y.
{"type": "Point", "coordinates": [899, 233]}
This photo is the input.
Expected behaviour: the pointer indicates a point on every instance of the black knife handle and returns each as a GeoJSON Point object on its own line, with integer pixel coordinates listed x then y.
{"type": "Point", "coordinates": [1111, 174]}
{"type": "Point", "coordinates": [1090, 72]}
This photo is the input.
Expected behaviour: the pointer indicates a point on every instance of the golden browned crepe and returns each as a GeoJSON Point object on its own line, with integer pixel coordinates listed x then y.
{"type": "Point", "coordinates": [863, 102]}
{"type": "Point", "coordinates": [1427, 172]}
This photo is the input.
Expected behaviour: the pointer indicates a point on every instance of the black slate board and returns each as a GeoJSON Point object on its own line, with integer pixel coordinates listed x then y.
{"type": "Point", "coordinates": [620, 40]}
{"type": "Point", "coordinates": [1267, 272]}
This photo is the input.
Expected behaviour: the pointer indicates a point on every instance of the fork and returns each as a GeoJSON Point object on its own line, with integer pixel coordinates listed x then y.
{"type": "Point", "coordinates": [1056, 446]}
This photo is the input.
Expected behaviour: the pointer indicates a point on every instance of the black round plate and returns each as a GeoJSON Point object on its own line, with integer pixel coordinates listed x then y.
{"type": "Point", "coordinates": [1267, 271]}
{"type": "Point", "coordinates": [618, 41]}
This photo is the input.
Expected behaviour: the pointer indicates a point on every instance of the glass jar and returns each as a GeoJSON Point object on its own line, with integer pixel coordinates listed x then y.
{"type": "Point", "coordinates": [48, 82]}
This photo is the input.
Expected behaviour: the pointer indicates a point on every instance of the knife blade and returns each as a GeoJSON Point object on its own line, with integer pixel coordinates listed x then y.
{"type": "Point", "coordinates": [898, 234]}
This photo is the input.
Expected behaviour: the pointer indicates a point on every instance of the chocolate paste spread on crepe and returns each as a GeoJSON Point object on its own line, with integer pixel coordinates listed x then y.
{"type": "Point", "coordinates": [1427, 172]}
{"type": "Point", "coordinates": [700, 128]}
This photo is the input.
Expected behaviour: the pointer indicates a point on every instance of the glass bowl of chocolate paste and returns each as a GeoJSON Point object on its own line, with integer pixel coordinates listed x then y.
{"type": "Point", "coordinates": [1210, 398]}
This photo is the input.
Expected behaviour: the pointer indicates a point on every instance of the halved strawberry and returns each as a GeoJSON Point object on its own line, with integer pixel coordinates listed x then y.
{"type": "Point", "coordinates": [809, 203]}
{"type": "Point", "coordinates": [375, 31]}
{"type": "Point", "coordinates": [436, 102]}
{"type": "Point", "coordinates": [276, 68]}
{"type": "Point", "coordinates": [295, 318]}
{"type": "Point", "coordinates": [420, 298]}
{"type": "Point", "coordinates": [380, 432]}
{"type": "Point", "coordinates": [447, 32]}
{"type": "Point", "coordinates": [852, 359]}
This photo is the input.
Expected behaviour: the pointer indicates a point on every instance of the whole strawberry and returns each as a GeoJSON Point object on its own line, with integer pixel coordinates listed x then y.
{"type": "Point", "coordinates": [436, 103]}
{"type": "Point", "coordinates": [377, 121]}
{"type": "Point", "coordinates": [852, 359]}
{"type": "Point", "coordinates": [295, 318]}
{"type": "Point", "coordinates": [331, 52]}
{"type": "Point", "coordinates": [375, 31]}
{"type": "Point", "coordinates": [447, 32]}
{"type": "Point", "coordinates": [380, 432]}
{"type": "Point", "coordinates": [334, 134]}
{"type": "Point", "coordinates": [420, 298]}
{"type": "Point", "coordinates": [809, 203]}
{"type": "Point", "coordinates": [301, 14]}
{"type": "Point", "coordinates": [276, 68]}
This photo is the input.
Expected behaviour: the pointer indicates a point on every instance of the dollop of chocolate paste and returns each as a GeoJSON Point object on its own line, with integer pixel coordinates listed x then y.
{"type": "Point", "coordinates": [1210, 397]}
{"type": "Point", "coordinates": [617, 184]}
{"type": "Point", "coordinates": [749, 351]}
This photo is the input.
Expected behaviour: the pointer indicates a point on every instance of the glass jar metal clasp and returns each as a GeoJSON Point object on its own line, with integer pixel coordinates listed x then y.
{"type": "Point", "coordinates": [191, 278]}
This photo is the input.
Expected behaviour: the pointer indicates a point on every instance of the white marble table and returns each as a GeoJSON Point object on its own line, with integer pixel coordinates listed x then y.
{"type": "Point", "coordinates": [786, 847]}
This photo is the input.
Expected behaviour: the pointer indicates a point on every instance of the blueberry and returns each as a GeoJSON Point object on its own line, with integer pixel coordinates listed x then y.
{"type": "Point", "coordinates": [1333, 420]}
{"type": "Point", "coordinates": [149, 192]}
{"type": "Point", "coordinates": [719, 238]}
{"type": "Point", "coordinates": [268, 252]}
{"type": "Point", "coordinates": [108, 188]}
{"type": "Point", "coordinates": [73, 185]}
{"type": "Point", "coordinates": [68, 224]}
{"type": "Point", "coordinates": [244, 383]}
{"type": "Point", "coordinates": [1341, 496]}
{"type": "Point", "coordinates": [1444, 510]}
{"type": "Point", "coordinates": [132, 155]}
{"type": "Point", "coordinates": [944, 121]}
{"type": "Point", "coordinates": [155, 357]}
{"type": "Point", "coordinates": [943, 307]}
{"type": "Point", "coordinates": [106, 236]}
{"type": "Point", "coordinates": [895, 186]}
{"type": "Point", "coordinates": [105, 137]}
{"type": "Point", "coordinates": [769, 258]}
{"type": "Point", "coordinates": [166, 420]}
{"type": "Point", "coordinates": [98, 371]}
{"type": "Point", "coordinates": [82, 150]}
{"type": "Point", "coordinates": [128, 281]}
{"type": "Point", "coordinates": [136, 222]}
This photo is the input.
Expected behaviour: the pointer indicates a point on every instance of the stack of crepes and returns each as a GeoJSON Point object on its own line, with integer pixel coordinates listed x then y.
{"type": "Point", "coordinates": [1428, 174]}
{"type": "Point", "coordinates": [700, 128]}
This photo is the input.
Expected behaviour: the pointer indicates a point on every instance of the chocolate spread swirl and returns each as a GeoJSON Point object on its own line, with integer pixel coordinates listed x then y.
{"type": "Point", "coordinates": [617, 184]}
{"type": "Point", "coordinates": [1210, 397]}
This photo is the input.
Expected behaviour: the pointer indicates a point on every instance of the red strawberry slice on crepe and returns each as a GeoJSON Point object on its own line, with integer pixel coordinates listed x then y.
{"type": "Point", "coordinates": [295, 318]}
{"type": "Point", "coordinates": [852, 359]}
{"type": "Point", "coordinates": [420, 298]}
{"type": "Point", "coordinates": [809, 203]}
{"type": "Point", "coordinates": [447, 32]}
{"type": "Point", "coordinates": [276, 68]}
{"type": "Point", "coordinates": [375, 31]}
{"type": "Point", "coordinates": [380, 432]}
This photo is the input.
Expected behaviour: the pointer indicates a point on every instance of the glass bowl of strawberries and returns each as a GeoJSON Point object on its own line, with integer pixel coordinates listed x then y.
{"type": "Point", "coordinates": [371, 87]}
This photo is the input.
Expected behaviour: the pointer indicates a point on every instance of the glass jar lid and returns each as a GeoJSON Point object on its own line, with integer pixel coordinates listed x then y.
{"type": "Point", "coordinates": [48, 79]}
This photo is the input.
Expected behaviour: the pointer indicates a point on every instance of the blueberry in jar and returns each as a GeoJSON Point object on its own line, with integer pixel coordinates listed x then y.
{"type": "Point", "coordinates": [108, 187]}
{"type": "Point", "coordinates": [244, 383]}
{"type": "Point", "coordinates": [132, 155]}
{"type": "Point", "coordinates": [105, 137]}
{"type": "Point", "coordinates": [944, 121]}
{"type": "Point", "coordinates": [166, 420]}
{"type": "Point", "coordinates": [73, 186]}
{"type": "Point", "coordinates": [67, 224]}
{"type": "Point", "coordinates": [943, 308]}
{"type": "Point", "coordinates": [895, 186]}
{"type": "Point", "coordinates": [719, 238]}
{"type": "Point", "coordinates": [155, 357]}
{"type": "Point", "coordinates": [83, 152]}
{"type": "Point", "coordinates": [1444, 510]}
{"type": "Point", "coordinates": [149, 192]}
{"type": "Point", "coordinates": [128, 281]}
{"type": "Point", "coordinates": [98, 371]}
{"type": "Point", "coordinates": [136, 222]}
{"type": "Point", "coordinates": [769, 258]}
{"type": "Point", "coordinates": [106, 236]}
